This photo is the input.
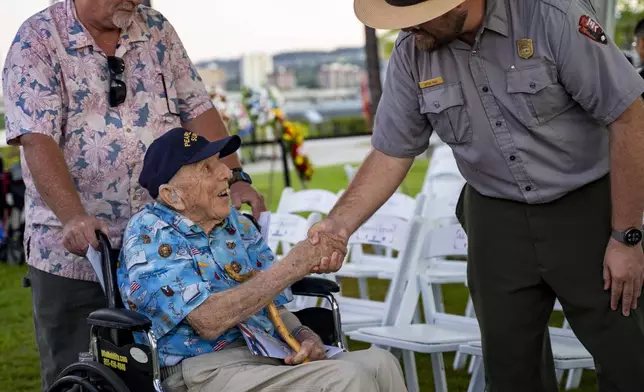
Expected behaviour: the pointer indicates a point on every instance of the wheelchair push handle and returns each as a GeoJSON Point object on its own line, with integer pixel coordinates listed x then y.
{"type": "Point", "coordinates": [108, 267]}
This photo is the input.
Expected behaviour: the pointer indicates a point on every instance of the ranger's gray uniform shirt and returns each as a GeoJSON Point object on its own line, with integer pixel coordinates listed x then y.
{"type": "Point", "coordinates": [528, 127]}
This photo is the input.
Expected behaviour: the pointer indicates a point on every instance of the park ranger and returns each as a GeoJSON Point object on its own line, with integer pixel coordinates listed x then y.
{"type": "Point", "coordinates": [544, 116]}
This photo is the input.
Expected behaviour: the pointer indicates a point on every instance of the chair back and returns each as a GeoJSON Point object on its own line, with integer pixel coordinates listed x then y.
{"type": "Point", "coordinates": [444, 242]}
{"type": "Point", "coordinates": [387, 232]}
{"type": "Point", "coordinates": [440, 211]}
{"type": "Point", "coordinates": [310, 200]}
{"type": "Point", "coordinates": [286, 230]}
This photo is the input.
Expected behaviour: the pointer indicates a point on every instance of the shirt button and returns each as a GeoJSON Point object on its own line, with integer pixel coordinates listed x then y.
{"type": "Point", "coordinates": [499, 123]}
{"type": "Point", "coordinates": [512, 157]}
{"type": "Point", "coordinates": [437, 105]}
{"type": "Point", "coordinates": [528, 188]}
{"type": "Point", "coordinates": [485, 89]}
{"type": "Point", "coordinates": [533, 85]}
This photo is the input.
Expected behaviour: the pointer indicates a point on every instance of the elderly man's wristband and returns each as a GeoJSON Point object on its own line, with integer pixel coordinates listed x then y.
{"type": "Point", "coordinates": [239, 175]}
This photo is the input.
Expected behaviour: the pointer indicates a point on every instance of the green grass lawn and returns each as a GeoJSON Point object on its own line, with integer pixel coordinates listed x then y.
{"type": "Point", "coordinates": [19, 370]}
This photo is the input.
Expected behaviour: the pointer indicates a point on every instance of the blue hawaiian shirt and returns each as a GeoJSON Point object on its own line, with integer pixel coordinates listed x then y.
{"type": "Point", "coordinates": [169, 266]}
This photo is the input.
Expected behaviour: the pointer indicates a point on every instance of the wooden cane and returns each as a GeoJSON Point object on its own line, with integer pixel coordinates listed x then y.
{"type": "Point", "coordinates": [273, 313]}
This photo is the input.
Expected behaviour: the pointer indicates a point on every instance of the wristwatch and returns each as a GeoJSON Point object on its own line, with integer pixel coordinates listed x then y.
{"type": "Point", "coordinates": [239, 175]}
{"type": "Point", "coordinates": [629, 237]}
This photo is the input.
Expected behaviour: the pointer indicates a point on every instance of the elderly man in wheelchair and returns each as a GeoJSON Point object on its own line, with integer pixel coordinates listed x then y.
{"type": "Point", "coordinates": [206, 296]}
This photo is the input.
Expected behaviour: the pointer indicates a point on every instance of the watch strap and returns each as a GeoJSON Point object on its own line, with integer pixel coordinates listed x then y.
{"type": "Point", "coordinates": [621, 236]}
{"type": "Point", "coordinates": [239, 175]}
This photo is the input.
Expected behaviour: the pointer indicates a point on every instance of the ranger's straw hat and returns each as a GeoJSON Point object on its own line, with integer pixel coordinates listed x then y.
{"type": "Point", "coordinates": [398, 14]}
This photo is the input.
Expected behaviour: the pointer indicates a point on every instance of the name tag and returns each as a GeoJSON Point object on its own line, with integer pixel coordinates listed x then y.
{"type": "Point", "coordinates": [431, 82]}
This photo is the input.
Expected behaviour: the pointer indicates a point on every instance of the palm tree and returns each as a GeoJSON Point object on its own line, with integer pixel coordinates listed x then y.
{"type": "Point", "coordinates": [373, 70]}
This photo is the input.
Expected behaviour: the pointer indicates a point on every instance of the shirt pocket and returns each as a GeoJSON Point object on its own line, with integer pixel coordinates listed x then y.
{"type": "Point", "coordinates": [537, 92]}
{"type": "Point", "coordinates": [447, 113]}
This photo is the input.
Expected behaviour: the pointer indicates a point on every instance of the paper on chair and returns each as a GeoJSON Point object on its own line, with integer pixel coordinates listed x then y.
{"type": "Point", "coordinates": [94, 258]}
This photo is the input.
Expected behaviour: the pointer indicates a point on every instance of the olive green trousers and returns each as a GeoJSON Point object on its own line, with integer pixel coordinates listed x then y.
{"type": "Point", "coordinates": [521, 258]}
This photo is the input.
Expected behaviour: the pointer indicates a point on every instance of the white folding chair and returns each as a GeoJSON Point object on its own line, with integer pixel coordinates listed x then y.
{"type": "Point", "coordinates": [370, 265]}
{"type": "Point", "coordinates": [286, 230]}
{"type": "Point", "coordinates": [441, 332]}
{"type": "Point", "coordinates": [378, 230]}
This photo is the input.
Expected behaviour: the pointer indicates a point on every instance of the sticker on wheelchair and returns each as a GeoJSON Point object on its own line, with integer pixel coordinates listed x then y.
{"type": "Point", "coordinates": [261, 343]}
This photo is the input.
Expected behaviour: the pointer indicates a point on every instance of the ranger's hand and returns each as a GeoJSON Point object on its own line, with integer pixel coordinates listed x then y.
{"type": "Point", "coordinates": [623, 274]}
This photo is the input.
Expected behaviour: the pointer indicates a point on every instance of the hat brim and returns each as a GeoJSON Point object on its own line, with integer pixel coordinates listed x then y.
{"type": "Point", "coordinates": [224, 147]}
{"type": "Point", "coordinates": [378, 14]}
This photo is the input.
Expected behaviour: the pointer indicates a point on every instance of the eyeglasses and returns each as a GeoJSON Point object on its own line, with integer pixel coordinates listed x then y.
{"type": "Point", "coordinates": [118, 89]}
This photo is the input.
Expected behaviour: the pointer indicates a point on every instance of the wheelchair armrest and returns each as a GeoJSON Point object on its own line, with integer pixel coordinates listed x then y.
{"type": "Point", "coordinates": [312, 285]}
{"type": "Point", "coordinates": [122, 319]}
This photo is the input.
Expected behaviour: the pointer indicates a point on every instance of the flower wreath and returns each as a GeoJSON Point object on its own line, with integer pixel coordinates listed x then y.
{"type": "Point", "coordinates": [262, 110]}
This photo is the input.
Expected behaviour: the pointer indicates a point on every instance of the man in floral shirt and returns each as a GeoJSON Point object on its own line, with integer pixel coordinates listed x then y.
{"type": "Point", "coordinates": [88, 85]}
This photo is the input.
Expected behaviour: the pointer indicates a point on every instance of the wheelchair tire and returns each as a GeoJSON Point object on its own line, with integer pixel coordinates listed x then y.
{"type": "Point", "coordinates": [101, 377]}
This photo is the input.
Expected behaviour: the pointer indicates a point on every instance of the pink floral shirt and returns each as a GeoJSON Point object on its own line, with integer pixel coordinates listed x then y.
{"type": "Point", "coordinates": [56, 82]}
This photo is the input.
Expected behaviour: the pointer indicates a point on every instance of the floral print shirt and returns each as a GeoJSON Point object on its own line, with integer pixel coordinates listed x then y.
{"type": "Point", "coordinates": [56, 82]}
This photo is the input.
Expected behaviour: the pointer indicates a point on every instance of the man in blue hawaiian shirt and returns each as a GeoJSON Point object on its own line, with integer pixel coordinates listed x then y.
{"type": "Point", "coordinates": [180, 267]}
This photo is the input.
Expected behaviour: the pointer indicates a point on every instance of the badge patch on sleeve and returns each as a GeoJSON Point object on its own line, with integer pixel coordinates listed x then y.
{"type": "Point", "coordinates": [592, 29]}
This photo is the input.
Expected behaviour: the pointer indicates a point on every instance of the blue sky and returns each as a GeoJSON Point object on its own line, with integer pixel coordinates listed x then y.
{"type": "Point", "coordinates": [225, 28]}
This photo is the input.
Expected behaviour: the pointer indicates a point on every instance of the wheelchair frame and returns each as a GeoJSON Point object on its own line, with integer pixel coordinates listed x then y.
{"type": "Point", "coordinates": [103, 369]}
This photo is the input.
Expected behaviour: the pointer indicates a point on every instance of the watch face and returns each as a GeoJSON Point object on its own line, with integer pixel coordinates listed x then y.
{"type": "Point", "coordinates": [633, 237]}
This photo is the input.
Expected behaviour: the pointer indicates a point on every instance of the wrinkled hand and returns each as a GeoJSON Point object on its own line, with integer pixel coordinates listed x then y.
{"type": "Point", "coordinates": [312, 256]}
{"type": "Point", "coordinates": [330, 262]}
{"type": "Point", "coordinates": [623, 274]}
{"type": "Point", "coordinates": [243, 192]}
{"type": "Point", "coordinates": [311, 347]}
{"type": "Point", "coordinates": [80, 232]}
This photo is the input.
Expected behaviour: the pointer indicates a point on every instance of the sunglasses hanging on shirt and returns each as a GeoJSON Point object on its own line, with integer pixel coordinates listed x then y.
{"type": "Point", "coordinates": [118, 89]}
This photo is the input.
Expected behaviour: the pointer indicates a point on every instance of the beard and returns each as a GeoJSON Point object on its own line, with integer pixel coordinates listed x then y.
{"type": "Point", "coordinates": [449, 28]}
{"type": "Point", "coordinates": [122, 18]}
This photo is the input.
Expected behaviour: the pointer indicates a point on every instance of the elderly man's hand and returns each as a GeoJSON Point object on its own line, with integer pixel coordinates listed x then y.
{"type": "Point", "coordinates": [242, 192]}
{"type": "Point", "coordinates": [311, 347]}
{"type": "Point", "coordinates": [329, 227]}
{"type": "Point", "coordinates": [320, 254]}
{"type": "Point", "coordinates": [80, 232]}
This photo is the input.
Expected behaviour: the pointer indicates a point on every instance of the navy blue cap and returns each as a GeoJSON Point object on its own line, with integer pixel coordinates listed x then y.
{"type": "Point", "coordinates": [176, 148]}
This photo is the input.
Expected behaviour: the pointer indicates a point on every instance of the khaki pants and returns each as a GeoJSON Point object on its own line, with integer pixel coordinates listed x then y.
{"type": "Point", "coordinates": [522, 257]}
{"type": "Point", "coordinates": [237, 370]}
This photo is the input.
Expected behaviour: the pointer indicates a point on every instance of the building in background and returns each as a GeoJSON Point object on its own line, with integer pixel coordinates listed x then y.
{"type": "Point", "coordinates": [213, 77]}
{"type": "Point", "coordinates": [282, 78]}
{"type": "Point", "coordinates": [255, 68]}
{"type": "Point", "coordinates": [339, 75]}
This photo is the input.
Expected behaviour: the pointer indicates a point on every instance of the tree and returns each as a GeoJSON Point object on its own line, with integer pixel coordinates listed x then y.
{"type": "Point", "coordinates": [628, 14]}
{"type": "Point", "coordinates": [373, 71]}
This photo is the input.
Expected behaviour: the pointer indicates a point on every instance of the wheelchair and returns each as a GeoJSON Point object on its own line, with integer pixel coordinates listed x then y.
{"type": "Point", "coordinates": [115, 363]}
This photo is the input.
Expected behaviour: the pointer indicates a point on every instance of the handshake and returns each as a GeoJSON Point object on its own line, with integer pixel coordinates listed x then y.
{"type": "Point", "coordinates": [325, 248]}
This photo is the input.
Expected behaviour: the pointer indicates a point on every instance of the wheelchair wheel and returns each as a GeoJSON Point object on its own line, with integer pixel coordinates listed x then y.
{"type": "Point", "coordinates": [88, 377]}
